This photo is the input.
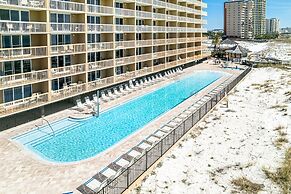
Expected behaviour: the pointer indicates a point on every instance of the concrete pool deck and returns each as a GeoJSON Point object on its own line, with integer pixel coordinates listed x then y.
{"type": "Point", "coordinates": [23, 172]}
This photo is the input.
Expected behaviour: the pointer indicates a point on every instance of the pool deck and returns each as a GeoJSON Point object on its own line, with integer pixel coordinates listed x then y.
{"type": "Point", "coordinates": [24, 172]}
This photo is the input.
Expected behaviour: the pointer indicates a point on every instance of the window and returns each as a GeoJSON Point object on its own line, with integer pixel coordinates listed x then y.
{"type": "Point", "coordinates": [138, 65]}
{"type": "Point", "coordinates": [119, 37]}
{"type": "Point", "coordinates": [118, 5]}
{"type": "Point", "coordinates": [24, 16]}
{"type": "Point", "coordinates": [8, 95]}
{"type": "Point", "coordinates": [27, 91]}
{"type": "Point", "coordinates": [18, 93]}
{"type": "Point", "coordinates": [119, 53]}
{"type": "Point", "coordinates": [14, 15]}
{"type": "Point", "coordinates": [16, 41]}
{"type": "Point", "coordinates": [61, 61]}
{"type": "Point", "coordinates": [8, 68]}
{"type": "Point", "coordinates": [26, 66]}
{"type": "Point", "coordinates": [54, 62]}
{"type": "Point", "coordinates": [6, 41]}
{"type": "Point", "coordinates": [119, 21]}
{"type": "Point", "coordinates": [26, 41]}
{"type": "Point", "coordinates": [53, 17]}
{"type": "Point", "coordinates": [94, 75]}
{"type": "Point", "coordinates": [4, 14]}
{"type": "Point", "coordinates": [55, 84]}
{"type": "Point", "coordinates": [119, 70]}
{"type": "Point", "coordinates": [67, 60]}
{"type": "Point", "coordinates": [17, 67]}
{"type": "Point", "coordinates": [67, 39]}
{"type": "Point", "coordinates": [54, 39]}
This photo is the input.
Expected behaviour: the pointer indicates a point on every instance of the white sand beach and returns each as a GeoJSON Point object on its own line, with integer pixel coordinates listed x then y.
{"type": "Point", "coordinates": [233, 142]}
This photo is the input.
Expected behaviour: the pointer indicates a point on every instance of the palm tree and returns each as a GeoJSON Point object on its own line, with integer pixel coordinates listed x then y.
{"type": "Point", "coordinates": [216, 41]}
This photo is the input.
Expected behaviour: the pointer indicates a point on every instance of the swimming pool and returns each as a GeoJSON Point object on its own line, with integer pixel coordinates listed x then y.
{"type": "Point", "coordinates": [78, 140]}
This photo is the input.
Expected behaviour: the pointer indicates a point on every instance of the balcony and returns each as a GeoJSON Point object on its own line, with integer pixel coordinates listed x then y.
{"type": "Point", "coordinates": [23, 104]}
{"type": "Point", "coordinates": [144, 28]}
{"type": "Point", "coordinates": [171, 64]}
{"type": "Point", "coordinates": [182, 40]}
{"type": "Point", "coordinates": [144, 57]}
{"type": "Point", "coordinates": [172, 17]}
{"type": "Point", "coordinates": [68, 91]}
{"type": "Point", "coordinates": [100, 46]}
{"type": "Point", "coordinates": [171, 53]}
{"type": "Point", "coordinates": [67, 27]}
{"type": "Point", "coordinates": [104, 64]}
{"type": "Point", "coordinates": [124, 77]}
{"type": "Point", "coordinates": [145, 1]}
{"type": "Point", "coordinates": [21, 3]}
{"type": "Point", "coordinates": [67, 6]}
{"type": "Point", "coordinates": [171, 41]}
{"type": "Point", "coordinates": [68, 70]}
{"type": "Point", "coordinates": [144, 43]}
{"type": "Point", "coordinates": [182, 61]}
{"type": "Point", "coordinates": [159, 67]}
{"type": "Point", "coordinates": [142, 72]}
{"type": "Point", "coordinates": [125, 28]}
{"type": "Point", "coordinates": [159, 29]}
{"type": "Point", "coordinates": [159, 3]}
{"type": "Point", "coordinates": [23, 78]}
{"type": "Point", "coordinates": [124, 44]}
{"type": "Point", "coordinates": [124, 12]}
{"type": "Point", "coordinates": [182, 51]}
{"type": "Point", "coordinates": [144, 14]}
{"type": "Point", "coordinates": [124, 60]}
{"type": "Point", "coordinates": [159, 41]}
{"type": "Point", "coordinates": [68, 48]}
{"type": "Point", "coordinates": [98, 9]}
{"type": "Point", "coordinates": [160, 54]}
{"type": "Point", "coordinates": [100, 83]}
{"type": "Point", "coordinates": [22, 27]}
{"type": "Point", "coordinates": [158, 16]}
{"type": "Point", "coordinates": [100, 27]}
{"type": "Point", "coordinates": [23, 52]}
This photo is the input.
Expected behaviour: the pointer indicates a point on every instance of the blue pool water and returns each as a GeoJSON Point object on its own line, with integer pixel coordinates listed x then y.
{"type": "Point", "coordinates": [78, 140]}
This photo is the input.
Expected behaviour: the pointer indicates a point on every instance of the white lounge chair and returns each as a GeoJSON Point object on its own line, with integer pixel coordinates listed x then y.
{"type": "Point", "coordinates": [95, 99]}
{"type": "Point", "coordinates": [122, 90]}
{"type": "Point", "coordinates": [128, 89]}
{"type": "Point", "coordinates": [132, 86]}
{"type": "Point", "coordinates": [117, 93]}
{"type": "Point", "coordinates": [80, 105]}
{"type": "Point", "coordinates": [88, 102]}
{"type": "Point", "coordinates": [111, 95]}
{"type": "Point", "coordinates": [104, 97]}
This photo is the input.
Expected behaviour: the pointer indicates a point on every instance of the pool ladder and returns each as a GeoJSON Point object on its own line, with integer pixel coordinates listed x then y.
{"type": "Point", "coordinates": [54, 134]}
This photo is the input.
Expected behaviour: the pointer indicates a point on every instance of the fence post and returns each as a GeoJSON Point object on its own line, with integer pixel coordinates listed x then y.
{"type": "Point", "coordinates": [127, 176]}
{"type": "Point", "coordinates": [162, 146]}
{"type": "Point", "coordinates": [199, 113]}
{"type": "Point", "coordinates": [146, 162]}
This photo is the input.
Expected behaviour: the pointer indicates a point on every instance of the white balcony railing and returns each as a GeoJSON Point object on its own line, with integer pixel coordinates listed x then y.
{"type": "Point", "coordinates": [159, 16]}
{"type": "Point", "coordinates": [144, 43]}
{"type": "Point", "coordinates": [68, 48]}
{"type": "Point", "coordinates": [23, 52]}
{"type": "Point", "coordinates": [124, 44]}
{"type": "Point", "coordinates": [104, 64]}
{"type": "Point", "coordinates": [125, 28]}
{"type": "Point", "coordinates": [100, 27]}
{"type": "Point", "coordinates": [159, 41]}
{"type": "Point", "coordinates": [68, 91]}
{"type": "Point", "coordinates": [68, 70]}
{"type": "Point", "coordinates": [35, 100]}
{"type": "Point", "coordinates": [100, 83]}
{"type": "Point", "coordinates": [22, 27]}
{"type": "Point", "coordinates": [100, 9]}
{"type": "Point", "coordinates": [125, 60]}
{"type": "Point", "coordinates": [100, 46]}
{"type": "Point", "coordinates": [67, 5]}
{"type": "Point", "coordinates": [67, 27]}
{"type": "Point", "coordinates": [23, 78]}
{"type": "Point", "coordinates": [26, 3]}
{"type": "Point", "coordinates": [159, 29]}
{"type": "Point", "coordinates": [144, 57]}
{"type": "Point", "coordinates": [159, 67]}
{"type": "Point", "coordinates": [171, 52]}
{"type": "Point", "coordinates": [144, 28]}
{"type": "Point", "coordinates": [143, 14]}
{"type": "Point", "coordinates": [124, 12]}
{"type": "Point", "coordinates": [145, 1]}
{"type": "Point", "coordinates": [160, 54]}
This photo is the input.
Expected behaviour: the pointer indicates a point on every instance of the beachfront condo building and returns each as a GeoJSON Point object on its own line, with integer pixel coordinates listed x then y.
{"type": "Point", "coordinates": [272, 26]}
{"type": "Point", "coordinates": [245, 18]}
{"type": "Point", "coordinates": [55, 50]}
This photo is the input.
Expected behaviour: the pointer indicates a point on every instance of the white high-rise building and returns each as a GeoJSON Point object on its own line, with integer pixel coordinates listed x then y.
{"type": "Point", "coordinates": [245, 18]}
{"type": "Point", "coordinates": [272, 26]}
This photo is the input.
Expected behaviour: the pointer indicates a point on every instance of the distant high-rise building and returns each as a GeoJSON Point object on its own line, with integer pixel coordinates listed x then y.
{"type": "Point", "coordinates": [245, 18]}
{"type": "Point", "coordinates": [272, 26]}
{"type": "Point", "coordinates": [238, 19]}
{"type": "Point", "coordinates": [259, 15]}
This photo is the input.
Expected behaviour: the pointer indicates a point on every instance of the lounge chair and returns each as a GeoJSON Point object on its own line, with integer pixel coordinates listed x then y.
{"type": "Point", "coordinates": [132, 86]}
{"type": "Point", "coordinates": [122, 90]}
{"type": "Point", "coordinates": [88, 102]}
{"type": "Point", "coordinates": [117, 93]}
{"type": "Point", "coordinates": [80, 106]}
{"type": "Point", "coordinates": [104, 97]}
{"type": "Point", "coordinates": [95, 99]}
{"type": "Point", "coordinates": [111, 95]}
{"type": "Point", "coordinates": [128, 89]}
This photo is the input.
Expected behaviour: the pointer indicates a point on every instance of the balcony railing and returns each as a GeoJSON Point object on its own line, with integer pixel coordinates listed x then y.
{"type": "Point", "coordinates": [125, 28]}
{"type": "Point", "coordinates": [171, 40]}
{"type": "Point", "coordinates": [100, 83]}
{"type": "Point", "coordinates": [100, 46]}
{"type": "Point", "coordinates": [160, 54]}
{"type": "Point", "coordinates": [144, 43]}
{"type": "Point", "coordinates": [144, 28]}
{"type": "Point", "coordinates": [23, 52]}
{"type": "Point", "coordinates": [125, 60]}
{"type": "Point", "coordinates": [145, 1]}
{"type": "Point", "coordinates": [171, 64]}
{"type": "Point", "coordinates": [159, 29]}
{"type": "Point", "coordinates": [159, 41]}
{"type": "Point", "coordinates": [68, 70]}
{"type": "Point", "coordinates": [100, 27]}
{"type": "Point", "coordinates": [125, 76]}
{"type": "Point", "coordinates": [159, 16]}
{"type": "Point", "coordinates": [67, 27]}
{"type": "Point", "coordinates": [100, 9]}
{"type": "Point", "coordinates": [159, 67]}
{"type": "Point", "coordinates": [125, 44]}
{"type": "Point", "coordinates": [143, 14]}
{"type": "Point", "coordinates": [68, 91]}
{"type": "Point", "coordinates": [144, 71]}
{"type": "Point", "coordinates": [181, 51]}
{"type": "Point", "coordinates": [159, 3]}
{"type": "Point", "coordinates": [182, 40]}
{"type": "Point", "coordinates": [22, 27]}
{"type": "Point", "coordinates": [182, 61]}
{"type": "Point", "coordinates": [67, 5]}
{"type": "Point", "coordinates": [171, 52]}
{"type": "Point", "coordinates": [23, 104]}
{"type": "Point", "coordinates": [26, 3]}
{"type": "Point", "coordinates": [144, 57]}
{"type": "Point", "coordinates": [68, 48]}
{"type": "Point", "coordinates": [124, 12]}
{"type": "Point", "coordinates": [97, 65]}
{"type": "Point", "coordinates": [172, 17]}
{"type": "Point", "coordinates": [23, 78]}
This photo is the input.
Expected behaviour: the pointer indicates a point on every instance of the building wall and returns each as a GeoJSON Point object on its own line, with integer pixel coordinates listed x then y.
{"type": "Point", "coordinates": [53, 50]}
{"type": "Point", "coordinates": [272, 25]}
{"type": "Point", "coordinates": [259, 17]}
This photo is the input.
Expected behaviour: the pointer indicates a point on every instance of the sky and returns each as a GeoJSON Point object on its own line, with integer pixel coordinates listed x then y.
{"type": "Point", "coordinates": [275, 9]}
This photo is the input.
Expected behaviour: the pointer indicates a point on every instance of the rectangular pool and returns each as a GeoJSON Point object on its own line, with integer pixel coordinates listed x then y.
{"type": "Point", "coordinates": [79, 140]}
